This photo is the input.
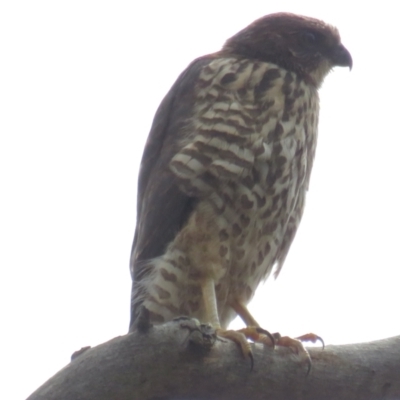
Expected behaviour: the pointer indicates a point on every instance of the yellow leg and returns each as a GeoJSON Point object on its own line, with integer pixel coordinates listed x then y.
{"type": "Point", "coordinates": [210, 302]}
{"type": "Point", "coordinates": [244, 313]}
{"type": "Point", "coordinates": [253, 330]}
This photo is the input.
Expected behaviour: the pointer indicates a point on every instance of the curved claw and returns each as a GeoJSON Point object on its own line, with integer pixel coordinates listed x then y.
{"type": "Point", "coordinates": [297, 347]}
{"type": "Point", "coordinates": [270, 335]}
{"type": "Point", "coordinates": [319, 338]}
{"type": "Point", "coordinates": [240, 339]}
{"type": "Point", "coordinates": [250, 354]}
{"type": "Point", "coordinates": [309, 362]}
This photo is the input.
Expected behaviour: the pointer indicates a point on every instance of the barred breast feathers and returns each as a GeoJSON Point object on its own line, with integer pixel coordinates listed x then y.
{"type": "Point", "coordinates": [243, 108]}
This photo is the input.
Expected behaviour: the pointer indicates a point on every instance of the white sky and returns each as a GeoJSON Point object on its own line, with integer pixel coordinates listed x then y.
{"type": "Point", "coordinates": [79, 84]}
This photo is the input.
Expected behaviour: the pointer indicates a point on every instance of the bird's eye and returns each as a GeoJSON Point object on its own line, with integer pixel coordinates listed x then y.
{"type": "Point", "coordinates": [309, 38]}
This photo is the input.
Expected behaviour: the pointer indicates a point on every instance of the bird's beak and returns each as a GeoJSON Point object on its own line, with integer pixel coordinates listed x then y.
{"type": "Point", "coordinates": [341, 57]}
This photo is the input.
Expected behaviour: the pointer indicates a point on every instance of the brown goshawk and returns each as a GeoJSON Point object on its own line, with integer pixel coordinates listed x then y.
{"type": "Point", "coordinates": [226, 169]}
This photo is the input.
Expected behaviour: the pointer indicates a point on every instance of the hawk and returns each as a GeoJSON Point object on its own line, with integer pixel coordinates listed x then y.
{"type": "Point", "coordinates": [225, 172]}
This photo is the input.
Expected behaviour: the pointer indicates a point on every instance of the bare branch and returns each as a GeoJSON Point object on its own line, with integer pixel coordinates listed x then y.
{"type": "Point", "coordinates": [165, 363]}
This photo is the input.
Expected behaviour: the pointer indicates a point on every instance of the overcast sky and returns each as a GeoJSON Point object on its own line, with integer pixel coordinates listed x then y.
{"type": "Point", "coordinates": [79, 84]}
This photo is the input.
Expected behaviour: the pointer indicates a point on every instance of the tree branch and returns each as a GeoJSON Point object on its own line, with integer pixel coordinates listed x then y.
{"type": "Point", "coordinates": [177, 360]}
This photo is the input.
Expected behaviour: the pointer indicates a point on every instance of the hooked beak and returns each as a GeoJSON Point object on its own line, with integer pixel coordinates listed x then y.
{"type": "Point", "coordinates": [341, 57]}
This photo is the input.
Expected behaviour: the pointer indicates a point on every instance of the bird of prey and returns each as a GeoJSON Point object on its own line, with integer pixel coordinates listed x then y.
{"type": "Point", "coordinates": [225, 172]}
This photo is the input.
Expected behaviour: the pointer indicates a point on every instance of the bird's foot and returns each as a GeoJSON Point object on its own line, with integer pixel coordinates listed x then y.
{"type": "Point", "coordinates": [258, 335]}
{"type": "Point", "coordinates": [255, 333]}
{"type": "Point", "coordinates": [240, 339]}
{"type": "Point", "coordinates": [296, 345]}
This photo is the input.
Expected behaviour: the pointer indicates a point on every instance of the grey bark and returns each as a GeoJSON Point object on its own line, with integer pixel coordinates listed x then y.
{"type": "Point", "coordinates": [178, 361]}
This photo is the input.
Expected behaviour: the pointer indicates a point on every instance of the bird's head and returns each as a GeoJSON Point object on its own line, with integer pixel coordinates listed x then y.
{"type": "Point", "coordinates": [306, 46]}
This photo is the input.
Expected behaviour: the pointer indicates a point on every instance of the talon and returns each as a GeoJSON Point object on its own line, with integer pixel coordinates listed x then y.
{"type": "Point", "coordinates": [297, 347]}
{"type": "Point", "coordinates": [240, 339]}
{"type": "Point", "coordinates": [271, 336]}
{"type": "Point", "coordinates": [258, 335]}
{"type": "Point", "coordinates": [250, 354]}
{"type": "Point", "coordinates": [309, 366]}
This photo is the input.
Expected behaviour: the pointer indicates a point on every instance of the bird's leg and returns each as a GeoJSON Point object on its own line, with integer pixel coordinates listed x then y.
{"type": "Point", "coordinates": [253, 330]}
{"type": "Point", "coordinates": [210, 301]}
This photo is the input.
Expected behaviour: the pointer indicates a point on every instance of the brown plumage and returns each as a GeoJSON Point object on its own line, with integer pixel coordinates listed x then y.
{"type": "Point", "coordinates": [226, 168]}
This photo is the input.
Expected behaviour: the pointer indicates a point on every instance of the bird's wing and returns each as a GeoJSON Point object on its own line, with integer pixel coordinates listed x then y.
{"type": "Point", "coordinates": [162, 208]}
